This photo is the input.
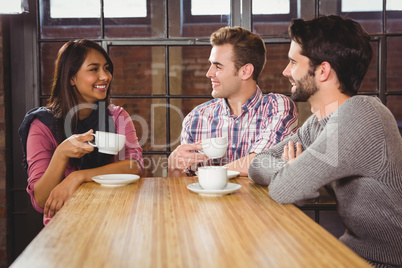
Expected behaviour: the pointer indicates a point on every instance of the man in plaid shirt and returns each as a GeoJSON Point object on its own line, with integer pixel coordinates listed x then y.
{"type": "Point", "coordinates": [251, 121]}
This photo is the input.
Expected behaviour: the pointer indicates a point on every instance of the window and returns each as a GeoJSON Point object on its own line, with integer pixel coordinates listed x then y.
{"type": "Point", "coordinates": [213, 11]}
{"type": "Point", "coordinates": [370, 6]}
{"type": "Point", "coordinates": [273, 19]}
{"type": "Point", "coordinates": [196, 11]}
{"type": "Point", "coordinates": [59, 12]}
{"type": "Point", "coordinates": [275, 11]}
{"type": "Point", "coordinates": [362, 9]}
{"type": "Point", "coordinates": [209, 7]}
{"type": "Point", "coordinates": [13, 6]}
{"type": "Point", "coordinates": [97, 19]}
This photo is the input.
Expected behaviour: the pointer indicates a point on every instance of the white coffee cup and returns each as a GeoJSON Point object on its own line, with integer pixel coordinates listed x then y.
{"type": "Point", "coordinates": [214, 147]}
{"type": "Point", "coordinates": [107, 142]}
{"type": "Point", "coordinates": [212, 177]}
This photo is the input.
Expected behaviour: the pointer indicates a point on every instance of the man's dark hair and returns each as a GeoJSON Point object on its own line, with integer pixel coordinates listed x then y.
{"type": "Point", "coordinates": [343, 43]}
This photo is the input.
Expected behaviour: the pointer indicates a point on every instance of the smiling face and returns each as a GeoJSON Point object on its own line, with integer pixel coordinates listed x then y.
{"type": "Point", "coordinates": [93, 78]}
{"type": "Point", "coordinates": [300, 74]}
{"type": "Point", "coordinates": [222, 72]}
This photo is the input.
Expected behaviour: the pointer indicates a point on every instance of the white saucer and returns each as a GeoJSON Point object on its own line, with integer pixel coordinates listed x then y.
{"type": "Point", "coordinates": [230, 188]}
{"type": "Point", "coordinates": [231, 174]}
{"type": "Point", "coordinates": [115, 180]}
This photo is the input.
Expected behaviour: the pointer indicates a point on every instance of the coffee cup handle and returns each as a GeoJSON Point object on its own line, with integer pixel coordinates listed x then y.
{"type": "Point", "coordinates": [93, 144]}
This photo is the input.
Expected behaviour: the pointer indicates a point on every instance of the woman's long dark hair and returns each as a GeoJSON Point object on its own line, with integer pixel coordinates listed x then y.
{"type": "Point", "coordinates": [63, 97]}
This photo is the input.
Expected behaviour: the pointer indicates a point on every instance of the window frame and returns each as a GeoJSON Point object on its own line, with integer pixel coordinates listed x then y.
{"type": "Point", "coordinates": [224, 18]}
{"type": "Point", "coordinates": [368, 15]}
{"type": "Point", "coordinates": [46, 20]}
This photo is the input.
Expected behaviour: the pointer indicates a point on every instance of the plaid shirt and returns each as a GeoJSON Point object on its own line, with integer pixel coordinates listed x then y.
{"type": "Point", "coordinates": [265, 121]}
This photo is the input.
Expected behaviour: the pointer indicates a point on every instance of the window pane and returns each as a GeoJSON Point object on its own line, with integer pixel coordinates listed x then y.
{"type": "Point", "coordinates": [271, 78]}
{"type": "Point", "coordinates": [361, 5]}
{"type": "Point", "coordinates": [373, 5]}
{"type": "Point", "coordinates": [70, 19]}
{"type": "Point", "coordinates": [367, 13]}
{"type": "Point", "coordinates": [394, 5]}
{"type": "Point", "coordinates": [394, 104]}
{"type": "Point", "coordinates": [187, 70]}
{"type": "Point", "coordinates": [48, 52]}
{"type": "Point", "coordinates": [271, 7]}
{"type": "Point", "coordinates": [125, 8]}
{"type": "Point", "coordinates": [273, 18]}
{"type": "Point", "coordinates": [210, 7]}
{"type": "Point", "coordinates": [91, 8]}
{"type": "Point", "coordinates": [135, 18]}
{"type": "Point", "coordinates": [13, 7]}
{"type": "Point", "coordinates": [394, 16]}
{"type": "Point", "coordinates": [82, 19]}
{"type": "Point", "coordinates": [74, 9]}
{"type": "Point", "coordinates": [394, 64]}
{"type": "Point", "coordinates": [149, 118]}
{"type": "Point", "coordinates": [197, 18]}
{"type": "Point", "coordinates": [138, 70]}
{"type": "Point", "coordinates": [369, 83]}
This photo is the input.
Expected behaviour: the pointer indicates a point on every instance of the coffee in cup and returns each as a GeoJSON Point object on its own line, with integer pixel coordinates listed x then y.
{"type": "Point", "coordinates": [107, 142]}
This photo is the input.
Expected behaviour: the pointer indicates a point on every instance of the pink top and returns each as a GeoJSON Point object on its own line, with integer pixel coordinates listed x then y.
{"type": "Point", "coordinates": [41, 145]}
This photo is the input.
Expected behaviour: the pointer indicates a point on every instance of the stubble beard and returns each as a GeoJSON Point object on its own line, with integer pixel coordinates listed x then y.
{"type": "Point", "coordinates": [305, 88]}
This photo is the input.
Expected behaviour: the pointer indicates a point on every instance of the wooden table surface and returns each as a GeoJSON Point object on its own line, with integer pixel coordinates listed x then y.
{"type": "Point", "coordinates": [158, 222]}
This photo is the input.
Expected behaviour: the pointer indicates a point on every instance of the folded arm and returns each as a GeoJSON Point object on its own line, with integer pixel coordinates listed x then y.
{"type": "Point", "coordinates": [327, 157]}
{"type": "Point", "coordinates": [62, 192]}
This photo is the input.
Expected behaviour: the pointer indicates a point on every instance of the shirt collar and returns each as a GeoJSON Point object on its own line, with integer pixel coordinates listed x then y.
{"type": "Point", "coordinates": [249, 104]}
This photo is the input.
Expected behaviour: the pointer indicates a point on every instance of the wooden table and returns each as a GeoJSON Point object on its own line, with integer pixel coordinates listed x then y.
{"type": "Point", "coordinates": [158, 222]}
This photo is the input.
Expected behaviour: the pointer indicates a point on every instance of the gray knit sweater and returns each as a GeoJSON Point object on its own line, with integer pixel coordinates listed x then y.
{"type": "Point", "coordinates": [356, 152]}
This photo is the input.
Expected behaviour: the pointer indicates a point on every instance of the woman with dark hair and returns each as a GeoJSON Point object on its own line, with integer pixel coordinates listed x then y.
{"type": "Point", "coordinates": [55, 138]}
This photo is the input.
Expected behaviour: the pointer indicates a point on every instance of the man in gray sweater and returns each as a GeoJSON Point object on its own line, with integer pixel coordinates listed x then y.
{"type": "Point", "coordinates": [351, 144]}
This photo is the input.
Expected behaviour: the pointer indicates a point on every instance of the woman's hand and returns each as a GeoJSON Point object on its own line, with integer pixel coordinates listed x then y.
{"type": "Point", "coordinates": [75, 146]}
{"type": "Point", "coordinates": [61, 194]}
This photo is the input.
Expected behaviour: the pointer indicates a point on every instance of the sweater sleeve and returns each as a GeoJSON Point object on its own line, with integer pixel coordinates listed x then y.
{"type": "Point", "coordinates": [40, 148]}
{"type": "Point", "coordinates": [266, 164]}
{"type": "Point", "coordinates": [344, 148]}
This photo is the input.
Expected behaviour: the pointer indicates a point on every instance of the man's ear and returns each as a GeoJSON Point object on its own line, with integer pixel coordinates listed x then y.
{"type": "Point", "coordinates": [246, 71]}
{"type": "Point", "coordinates": [323, 71]}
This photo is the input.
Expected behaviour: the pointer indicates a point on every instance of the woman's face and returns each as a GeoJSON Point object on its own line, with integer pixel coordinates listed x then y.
{"type": "Point", "coordinates": [93, 78]}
